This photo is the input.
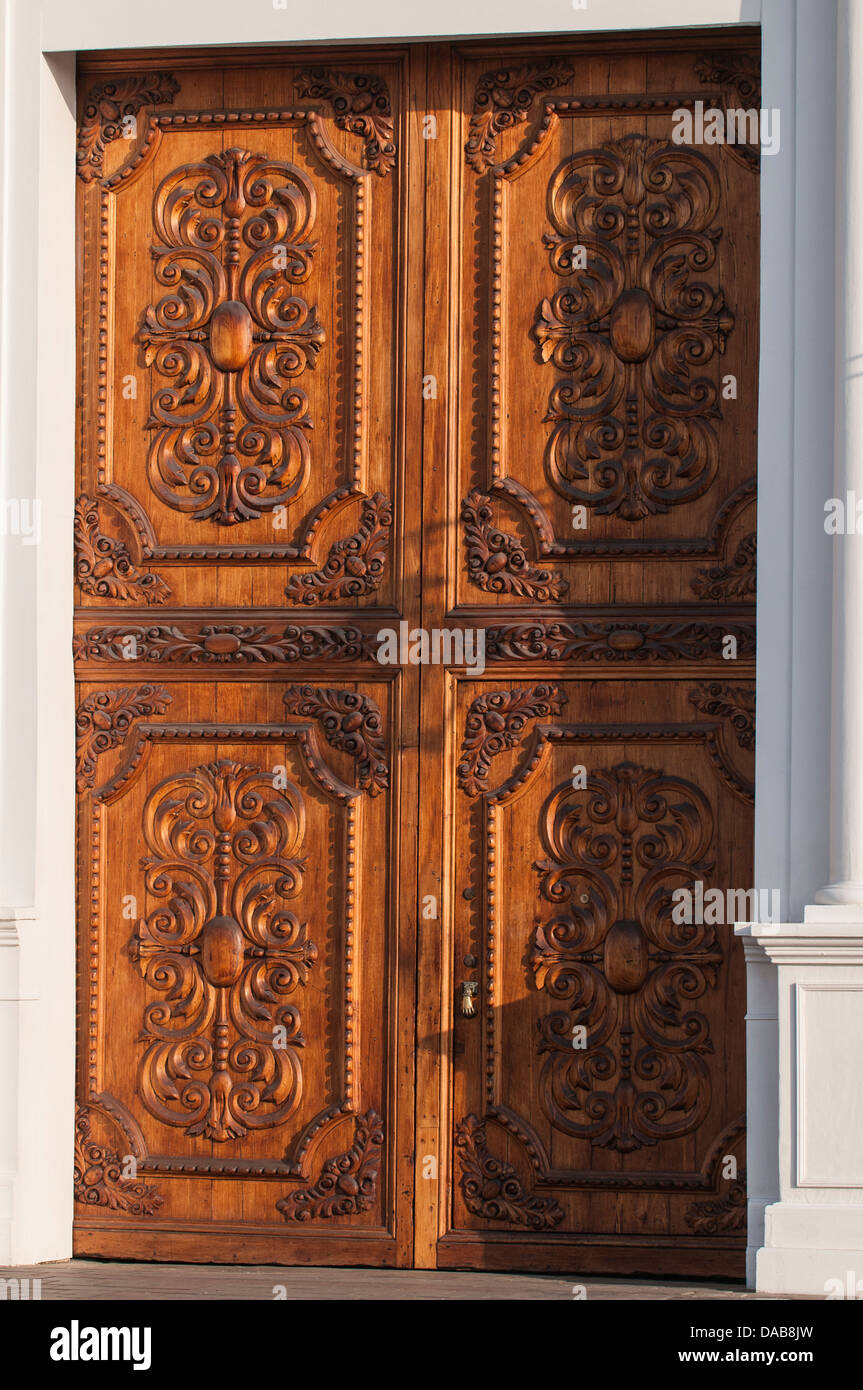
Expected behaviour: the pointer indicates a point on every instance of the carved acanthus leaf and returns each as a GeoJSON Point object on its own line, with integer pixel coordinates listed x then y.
{"type": "Point", "coordinates": [347, 1183]}
{"type": "Point", "coordinates": [497, 561]}
{"type": "Point", "coordinates": [496, 721]}
{"type": "Point", "coordinates": [224, 644]}
{"type": "Point", "coordinates": [733, 582]}
{"type": "Point", "coordinates": [355, 565]}
{"type": "Point", "coordinates": [351, 723]}
{"type": "Point", "coordinates": [104, 719]}
{"type": "Point", "coordinates": [99, 1180]}
{"type": "Point", "coordinates": [739, 77]}
{"type": "Point", "coordinates": [492, 1189]}
{"type": "Point", "coordinates": [736, 703]}
{"type": "Point", "coordinates": [503, 98]}
{"type": "Point", "coordinates": [103, 565]}
{"type": "Point", "coordinates": [617, 640]}
{"type": "Point", "coordinates": [106, 107]}
{"type": "Point", "coordinates": [720, 1215]}
{"type": "Point", "coordinates": [361, 103]}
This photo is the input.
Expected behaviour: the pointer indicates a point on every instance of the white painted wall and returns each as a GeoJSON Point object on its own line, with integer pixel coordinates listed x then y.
{"type": "Point", "coordinates": [37, 453]}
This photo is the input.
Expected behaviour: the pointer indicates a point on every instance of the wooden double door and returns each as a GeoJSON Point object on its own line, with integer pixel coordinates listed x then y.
{"type": "Point", "coordinates": [443, 354]}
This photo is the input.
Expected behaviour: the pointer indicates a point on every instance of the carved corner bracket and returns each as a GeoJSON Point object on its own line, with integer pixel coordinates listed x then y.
{"type": "Point", "coordinates": [104, 719]}
{"type": "Point", "coordinates": [99, 1180]}
{"type": "Point", "coordinates": [347, 1183]}
{"type": "Point", "coordinates": [496, 721]}
{"type": "Point", "coordinates": [503, 98]}
{"type": "Point", "coordinates": [107, 108]}
{"type": "Point", "coordinates": [739, 77]}
{"type": "Point", "coordinates": [361, 103]}
{"type": "Point", "coordinates": [350, 722]}
{"type": "Point", "coordinates": [492, 1189]}
{"type": "Point", "coordinates": [731, 581]}
{"type": "Point", "coordinates": [103, 565]}
{"type": "Point", "coordinates": [355, 565]}
{"type": "Point", "coordinates": [497, 561]}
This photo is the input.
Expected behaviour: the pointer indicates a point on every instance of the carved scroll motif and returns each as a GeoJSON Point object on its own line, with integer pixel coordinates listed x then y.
{"type": "Point", "coordinates": [231, 336]}
{"type": "Point", "coordinates": [636, 331]}
{"type": "Point", "coordinates": [224, 949]}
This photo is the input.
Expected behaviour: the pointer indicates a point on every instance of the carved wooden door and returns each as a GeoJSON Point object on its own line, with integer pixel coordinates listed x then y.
{"type": "Point", "coordinates": [598, 337]}
{"type": "Point", "coordinates": [377, 962]}
{"type": "Point", "coordinates": [247, 798]}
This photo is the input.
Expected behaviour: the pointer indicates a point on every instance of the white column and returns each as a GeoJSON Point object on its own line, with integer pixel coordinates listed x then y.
{"type": "Point", "coordinates": [846, 735]}
{"type": "Point", "coordinates": [812, 1239]}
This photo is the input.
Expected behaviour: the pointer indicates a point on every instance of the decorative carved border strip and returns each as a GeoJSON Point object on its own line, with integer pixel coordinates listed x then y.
{"type": "Point", "coordinates": [361, 103]}
{"type": "Point", "coordinates": [617, 640]}
{"type": "Point", "coordinates": [224, 644]}
{"type": "Point", "coordinates": [491, 1187]}
{"type": "Point", "coordinates": [354, 566]}
{"type": "Point", "coordinates": [98, 1175]}
{"type": "Point", "coordinates": [104, 110]}
{"type": "Point", "coordinates": [103, 565]}
{"type": "Point", "coordinates": [347, 1183]}
{"type": "Point", "coordinates": [351, 723]}
{"type": "Point", "coordinates": [104, 719]}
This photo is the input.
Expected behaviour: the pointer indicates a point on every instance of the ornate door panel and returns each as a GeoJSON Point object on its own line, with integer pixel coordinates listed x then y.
{"type": "Point", "coordinates": [598, 523]}
{"type": "Point", "coordinates": [246, 1006]}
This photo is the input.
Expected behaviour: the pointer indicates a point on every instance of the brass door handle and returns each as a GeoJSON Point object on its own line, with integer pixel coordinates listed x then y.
{"type": "Point", "coordinates": [469, 991]}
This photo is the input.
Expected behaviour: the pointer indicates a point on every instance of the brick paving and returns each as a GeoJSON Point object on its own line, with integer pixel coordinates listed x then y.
{"type": "Point", "coordinates": [94, 1279]}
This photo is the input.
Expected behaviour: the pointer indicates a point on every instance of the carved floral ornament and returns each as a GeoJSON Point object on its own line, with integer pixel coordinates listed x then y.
{"type": "Point", "coordinates": [609, 954]}
{"type": "Point", "coordinates": [231, 336]}
{"type": "Point", "coordinates": [635, 329]}
{"type": "Point", "coordinates": [109, 113]}
{"type": "Point", "coordinates": [224, 949]}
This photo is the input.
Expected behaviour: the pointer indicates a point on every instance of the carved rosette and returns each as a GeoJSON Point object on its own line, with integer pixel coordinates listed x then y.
{"type": "Point", "coordinates": [611, 955]}
{"type": "Point", "coordinates": [104, 719]}
{"type": "Point", "coordinates": [103, 565]}
{"type": "Point", "coordinates": [734, 703]}
{"type": "Point", "coordinates": [355, 565]}
{"type": "Point", "coordinates": [733, 582]}
{"type": "Point", "coordinates": [503, 99]}
{"type": "Point", "coordinates": [361, 104]}
{"type": "Point", "coordinates": [224, 949]}
{"type": "Point", "coordinates": [229, 644]}
{"type": "Point", "coordinates": [492, 1189]}
{"type": "Point", "coordinates": [108, 113]}
{"type": "Point", "coordinates": [231, 336]}
{"type": "Point", "coordinates": [637, 330]}
{"type": "Point", "coordinates": [351, 723]}
{"type": "Point", "coordinates": [99, 1180]}
{"type": "Point", "coordinates": [347, 1184]}
{"type": "Point", "coordinates": [496, 721]}
{"type": "Point", "coordinates": [497, 561]}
